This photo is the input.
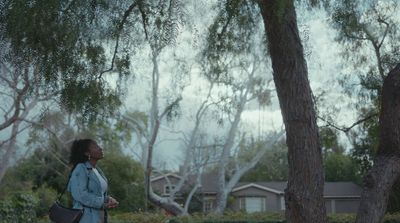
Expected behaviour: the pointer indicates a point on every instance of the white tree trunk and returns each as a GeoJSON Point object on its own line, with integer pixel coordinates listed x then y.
{"type": "Point", "coordinates": [10, 145]}
{"type": "Point", "coordinates": [222, 191]}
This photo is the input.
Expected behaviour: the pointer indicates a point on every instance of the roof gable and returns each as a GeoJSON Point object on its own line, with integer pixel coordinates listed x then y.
{"type": "Point", "coordinates": [163, 176]}
{"type": "Point", "coordinates": [255, 185]}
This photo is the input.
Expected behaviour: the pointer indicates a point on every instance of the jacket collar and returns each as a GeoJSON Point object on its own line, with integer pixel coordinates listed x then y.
{"type": "Point", "coordinates": [88, 165]}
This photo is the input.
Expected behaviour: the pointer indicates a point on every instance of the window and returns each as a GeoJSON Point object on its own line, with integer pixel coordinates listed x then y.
{"type": "Point", "coordinates": [254, 204]}
{"type": "Point", "coordinates": [208, 205]}
{"type": "Point", "coordinates": [283, 205]}
{"type": "Point", "coordinates": [168, 189]}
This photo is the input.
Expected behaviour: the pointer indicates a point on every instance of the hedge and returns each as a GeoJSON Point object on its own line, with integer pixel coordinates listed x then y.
{"type": "Point", "coordinates": [232, 217]}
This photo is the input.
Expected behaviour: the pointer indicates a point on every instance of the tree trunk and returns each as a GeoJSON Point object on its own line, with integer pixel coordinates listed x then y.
{"type": "Point", "coordinates": [222, 190]}
{"type": "Point", "coordinates": [304, 192]}
{"type": "Point", "coordinates": [386, 170]}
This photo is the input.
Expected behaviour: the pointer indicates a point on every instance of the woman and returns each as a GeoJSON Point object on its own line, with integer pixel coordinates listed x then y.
{"type": "Point", "coordinates": [88, 185]}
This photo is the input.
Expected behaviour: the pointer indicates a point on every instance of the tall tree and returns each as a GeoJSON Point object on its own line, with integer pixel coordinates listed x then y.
{"type": "Point", "coordinates": [237, 65]}
{"type": "Point", "coordinates": [369, 32]}
{"type": "Point", "coordinates": [160, 26]}
{"type": "Point", "coordinates": [304, 192]}
{"type": "Point", "coordinates": [386, 169]}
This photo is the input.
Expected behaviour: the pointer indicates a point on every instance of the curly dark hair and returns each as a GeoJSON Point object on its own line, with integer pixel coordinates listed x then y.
{"type": "Point", "coordinates": [78, 149]}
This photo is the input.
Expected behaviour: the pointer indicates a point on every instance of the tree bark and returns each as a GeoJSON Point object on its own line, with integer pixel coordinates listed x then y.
{"type": "Point", "coordinates": [386, 170]}
{"type": "Point", "coordinates": [304, 192]}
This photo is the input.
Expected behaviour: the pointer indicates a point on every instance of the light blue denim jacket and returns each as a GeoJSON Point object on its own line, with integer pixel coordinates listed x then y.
{"type": "Point", "coordinates": [86, 192]}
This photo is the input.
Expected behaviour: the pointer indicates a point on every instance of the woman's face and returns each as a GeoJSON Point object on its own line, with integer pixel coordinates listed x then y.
{"type": "Point", "coordinates": [95, 151]}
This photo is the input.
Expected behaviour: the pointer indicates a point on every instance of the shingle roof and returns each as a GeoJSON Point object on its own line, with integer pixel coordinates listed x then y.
{"type": "Point", "coordinates": [331, 189]}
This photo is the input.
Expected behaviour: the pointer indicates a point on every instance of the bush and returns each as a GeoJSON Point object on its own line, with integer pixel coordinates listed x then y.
{"type": "Point", "coordinates": [18, 207]}
{"type": "Point", "coordinates": [46, 198]}
{"type": "Point", "coordinates": [341, 218]}
{"type": "Point", "coordinates": [392, 218]}
{"type": "Point", "coordinates": [230, 217]}
{"type": "Point", "coordinates": [139, 217]}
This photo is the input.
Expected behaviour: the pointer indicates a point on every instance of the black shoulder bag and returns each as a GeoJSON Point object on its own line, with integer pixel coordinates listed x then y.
{"type": "Point", "coordinates": [61, 214]}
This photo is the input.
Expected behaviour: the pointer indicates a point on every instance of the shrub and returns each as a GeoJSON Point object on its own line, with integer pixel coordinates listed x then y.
{"type": "Point", "coordinates": [138, 217]}
{"type": "Point", "coordinates": [18, 207]}
{"type": "Point", "coordinates": [46, 198]}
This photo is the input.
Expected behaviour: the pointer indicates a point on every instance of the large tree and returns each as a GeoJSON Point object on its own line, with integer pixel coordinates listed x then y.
{"type": "Point", "coordinates": [368, 30]}
{"type": "Point", "coordinates": [304, 192]}
{"type": "Point", "coordinates": [386, 169]}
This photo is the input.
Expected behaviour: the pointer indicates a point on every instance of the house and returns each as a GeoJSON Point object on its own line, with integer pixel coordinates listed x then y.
{"type": "Point", "coordinates": [340, 197]}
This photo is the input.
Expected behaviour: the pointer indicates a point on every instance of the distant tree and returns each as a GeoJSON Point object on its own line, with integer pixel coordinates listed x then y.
{"type": "Point", "coordinates": [160, 24]}
{"type": "Point", "coordinates": [125, 177]}
{"type": "Point", "coordinates": [273, 166]}
{"type": "Point", "coordinates": [341, 167]}
{"type": "Point", "coordinates": [236, 65]}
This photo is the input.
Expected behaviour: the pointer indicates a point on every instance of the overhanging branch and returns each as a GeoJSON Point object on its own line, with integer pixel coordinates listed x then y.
{"type": "Point", "coordinates": [347, 129]}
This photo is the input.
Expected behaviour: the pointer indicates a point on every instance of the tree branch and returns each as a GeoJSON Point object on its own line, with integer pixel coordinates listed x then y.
{"type": "Point", "coordinates": [385, 33]}
{"type": "Point", "coordinates": [119, 30]}
{"type": "Point", "coordinates": [347, 129]}
{"type": "Point", "coordinates": [169, 107]}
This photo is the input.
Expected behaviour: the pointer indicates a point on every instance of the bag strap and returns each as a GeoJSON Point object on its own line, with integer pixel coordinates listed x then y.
{"type": "Point", "coordinates": [66, 185]}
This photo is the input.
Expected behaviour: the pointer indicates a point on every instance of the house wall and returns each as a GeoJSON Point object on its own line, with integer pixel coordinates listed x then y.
{"type": "Point", "coordinates": [347, 205]}
{"type": "Point", "coordinates": [341, 205]}
{"type": "Point", "coordinates": [275, 202]}
{"type": "Point", "coordinates": [158, 185]}
{"type": "Point", "coordinates": [272, 200]}
{"type": "Point", "coordinates": [328, 206]}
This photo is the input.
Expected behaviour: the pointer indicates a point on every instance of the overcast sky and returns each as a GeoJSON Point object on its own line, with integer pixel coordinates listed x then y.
{"type": "Point", "coordinates": [324, 63]}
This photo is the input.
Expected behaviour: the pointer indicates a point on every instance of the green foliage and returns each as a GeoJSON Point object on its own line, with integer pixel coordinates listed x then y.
{"type": "Point", "coordinates": [341, 167]}
{"type": "Point", "coordinates": [230, 217]}
{"type": "Point", "coordinates": [273, 166]}
{"type": "Point", "coordinates": [45, 172]}
{"type": "Point", "coordinates": [232, 34]}
{"type": "Point", "coordinates": [35, 171]}
{"type": "Point", "coordinates": [162, 22]}
{"type": "Point", "coordinates": [125, 178]}
{"type": "Point", "coordinates": [141, 217]}
{"type": "Point", "coordinates": [368, 30]}
{"type": "Point", "coordinates": [43, 181]}
{"type": "Point", "coordinates": [338, 165]}
{"type": "Point", "coordinates": [62, 42]}
{"type": "Point", "coordinates": [18, 207]}
{"type": "Point", "coordinates": [329, 140]}
{"type": "Point", "coordinates": [46, 197]}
